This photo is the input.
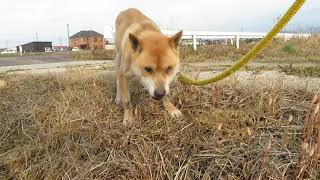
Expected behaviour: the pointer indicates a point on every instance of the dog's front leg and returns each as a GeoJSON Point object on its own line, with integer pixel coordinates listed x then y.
{"type": "Point", "coordinates": [125, 99]}
{"type": "Point", "coordinates": [117, 100]}
{"type": "Point", "coordinates": [170, 108]}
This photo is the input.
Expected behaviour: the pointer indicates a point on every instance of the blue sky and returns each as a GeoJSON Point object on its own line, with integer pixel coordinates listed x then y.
{"type": "Point", "coordinates": [21, 19]}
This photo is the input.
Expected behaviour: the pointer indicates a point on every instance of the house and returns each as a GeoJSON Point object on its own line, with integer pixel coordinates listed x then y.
{"type": "Point", "coordinates": [109, 44]}
{"type": "Point", "coordinates": [87, 40]}
{"type": "Point", "coordinates": [8, 51]}
{"type": "Point", "coordinates": [60, 48]}
{"type": "Point", "coordinates": [36, 46]}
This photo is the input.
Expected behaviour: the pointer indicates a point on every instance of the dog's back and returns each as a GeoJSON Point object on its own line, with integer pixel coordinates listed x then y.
{"type": "Point", "coordinates": [133, 21]}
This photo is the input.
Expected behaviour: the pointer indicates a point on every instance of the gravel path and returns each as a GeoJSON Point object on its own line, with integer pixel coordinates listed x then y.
{"type": "Point", "coordinates": [270, 78]}
{"type": "Point", "coordinates": [34, 59]}
{"type": "Point", "coordinates": [53, 66]}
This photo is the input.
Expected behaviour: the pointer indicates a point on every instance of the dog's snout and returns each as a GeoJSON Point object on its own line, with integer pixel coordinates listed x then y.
{"type": "Point", "coordinates": [159, 93]}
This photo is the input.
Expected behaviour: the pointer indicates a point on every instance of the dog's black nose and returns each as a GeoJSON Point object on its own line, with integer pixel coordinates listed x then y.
{"type": "Point", "coordinates": [158, 94]}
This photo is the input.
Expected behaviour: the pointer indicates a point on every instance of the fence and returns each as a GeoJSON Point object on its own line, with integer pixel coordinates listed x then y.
{"type": "Point", "coordinates": [232, 37]}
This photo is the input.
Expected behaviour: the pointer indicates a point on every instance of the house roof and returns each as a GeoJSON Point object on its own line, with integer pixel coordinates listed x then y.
{"type": "Point", "coordinates": [86, 34]}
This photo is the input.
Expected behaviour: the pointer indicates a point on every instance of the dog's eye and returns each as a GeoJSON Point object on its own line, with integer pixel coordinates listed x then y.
{"type": "Point", "coordinates": [148, 69]}
{"type": "Point", "coordinates": [169, 69]}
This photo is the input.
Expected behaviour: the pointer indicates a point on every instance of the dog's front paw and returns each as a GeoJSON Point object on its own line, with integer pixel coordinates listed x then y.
{"type": "Point", "coordinates": [117, 101]}
{"type": "Point", "coordinates": [176, 113]}
{"type": "Point", "coordinates": [128, 118]}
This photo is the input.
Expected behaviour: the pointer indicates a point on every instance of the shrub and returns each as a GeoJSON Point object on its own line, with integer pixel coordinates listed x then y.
{"type": "Point", "coordinates": [289, 48]}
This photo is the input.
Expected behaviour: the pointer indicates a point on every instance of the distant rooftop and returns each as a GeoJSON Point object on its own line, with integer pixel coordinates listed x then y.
{"type": "Point", "coordinates": [36, 42]}
{"type": "Point", "coordinates": [87, 34]}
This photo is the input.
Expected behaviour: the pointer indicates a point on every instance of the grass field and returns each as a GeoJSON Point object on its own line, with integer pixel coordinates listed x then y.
{"type": "Point", "coordinates": [294, 50]}
{"type": "Point", "coordinates": [65, 126]}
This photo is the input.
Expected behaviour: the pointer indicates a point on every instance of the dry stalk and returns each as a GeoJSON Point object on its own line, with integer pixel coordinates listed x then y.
{"type": "Point", "coordinates": [309, 154]}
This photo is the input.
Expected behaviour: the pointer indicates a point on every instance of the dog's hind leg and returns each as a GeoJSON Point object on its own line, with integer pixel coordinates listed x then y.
{"type": "Point", "coordinates": [170, 108]}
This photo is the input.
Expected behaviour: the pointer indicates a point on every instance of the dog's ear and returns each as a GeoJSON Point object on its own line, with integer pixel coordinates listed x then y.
{"type": "Point", "coordinates": [175, 40]}
{"type": "Point", "coordinates": [135, 44]}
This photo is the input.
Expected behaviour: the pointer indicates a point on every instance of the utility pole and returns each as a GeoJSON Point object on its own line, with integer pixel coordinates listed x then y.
{"type": "Point", "coordinates": [68, 35]}
{"type": "Point", "coordinates": [61, 49]}
{"type": "Point", "coordinates": [37, 37]}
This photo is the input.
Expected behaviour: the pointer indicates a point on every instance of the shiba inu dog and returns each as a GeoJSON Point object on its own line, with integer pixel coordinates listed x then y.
{"type": "Point", "coordinates": [144, 52]}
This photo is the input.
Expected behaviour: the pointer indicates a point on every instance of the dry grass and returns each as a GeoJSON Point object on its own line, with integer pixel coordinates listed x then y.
{"type": "Point", "coordinates": [93, 55]}
{"type": "Point", "coordinates": [292, 50]}
{"type": "Point", "coordinates": [278, 50]}
{"type": "Point", "coordinates": [67, 127]}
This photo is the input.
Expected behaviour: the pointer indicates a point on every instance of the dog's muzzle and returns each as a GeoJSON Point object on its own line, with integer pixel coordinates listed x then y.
{"type": "Point", "coordinates": [159, 94]}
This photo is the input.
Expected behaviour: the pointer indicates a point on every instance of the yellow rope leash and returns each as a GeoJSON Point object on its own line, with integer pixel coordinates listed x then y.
{"type": "Point", "coordinates": [251, 54]}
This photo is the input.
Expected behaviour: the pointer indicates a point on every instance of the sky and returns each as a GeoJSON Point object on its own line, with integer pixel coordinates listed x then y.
{"type": "Point", "coordinates": [21, 20]}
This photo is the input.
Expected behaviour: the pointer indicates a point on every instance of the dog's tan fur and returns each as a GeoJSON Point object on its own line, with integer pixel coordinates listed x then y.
{"type": "Point", "coordinates": [144, 52]}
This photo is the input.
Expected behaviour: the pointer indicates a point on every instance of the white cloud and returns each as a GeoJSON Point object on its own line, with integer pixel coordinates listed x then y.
{"type": "Point", "coordinates": [23, 18]}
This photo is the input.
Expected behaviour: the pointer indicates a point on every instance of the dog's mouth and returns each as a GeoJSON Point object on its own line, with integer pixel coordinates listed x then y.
{"type": "Point", "coordinates": [157, 98]}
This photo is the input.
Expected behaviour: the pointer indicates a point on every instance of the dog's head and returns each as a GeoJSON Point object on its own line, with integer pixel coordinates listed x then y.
{"type": "Point", "coordinates": [155, 59]}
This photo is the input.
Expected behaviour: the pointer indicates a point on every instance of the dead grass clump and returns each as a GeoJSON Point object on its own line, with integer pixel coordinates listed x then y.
{"type": "Point", "coordinates": [208, 52]}
{"type": "Point", "coordinates": [65, 126]}
{"type": "Point", "coordinates": [310, 147]}
{"type": "Point", "coordinates": [93, 55]}
{"type": "Point", "coordinates": [2, 83]}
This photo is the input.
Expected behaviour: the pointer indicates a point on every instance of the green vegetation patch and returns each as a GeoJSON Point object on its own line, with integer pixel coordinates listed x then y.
{"type": "Point", "coordinates": [301, 71]}
{"type": "Point", "coordinates": [289, 48]}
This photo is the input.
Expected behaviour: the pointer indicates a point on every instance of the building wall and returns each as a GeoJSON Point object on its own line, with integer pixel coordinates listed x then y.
{"type": "Point", "coordinates": [109, 46]}
{"type": "Point", "coordinates": [87, 43]}
{"type": "Point", "coordinates": [35, 46]}
{"type": "Point", "coordinates": [60, 48]}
